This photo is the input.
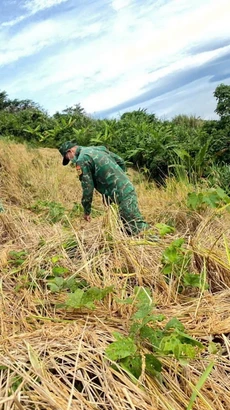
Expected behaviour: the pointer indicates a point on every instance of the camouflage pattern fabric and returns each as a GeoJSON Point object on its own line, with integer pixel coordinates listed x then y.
{"type": "Point", "coordinates": [100, 169]}
{"type": "Point", "coordinates": [130, 215]}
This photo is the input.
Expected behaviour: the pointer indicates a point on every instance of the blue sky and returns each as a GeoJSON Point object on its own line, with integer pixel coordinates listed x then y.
{"type": "Point", "coordinates": [113, 56]}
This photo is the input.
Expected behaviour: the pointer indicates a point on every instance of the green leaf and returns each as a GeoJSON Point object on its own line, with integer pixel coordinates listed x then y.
{"type": "Point", "coordinates": [194, 200]}
{"type": "Point", "coordinates": [74, 300]}
{"type": "Point", "coordinates": [93, 294]}
{"type": "Point", "coordinates": [144, 302]}
{"type": "Point", "coordinates": [98, 294]}
{"type": "Point", "coordinates": [214, 348]}
{"type": "Point", "coordinates": [185, 351]}
{"type": "Point", "coordinates": [211, 199]}
{"type": "Point", "coordinates": [143, 295]}
{"type": "Point", "coordinates": [118, 336]}
{"type": "Point", "coordinates": [142, 312]}
{"type": "Point", "coordinates": [53, 288]}
{"type": "Point", "coordinates": [132, 364]}
{"type": "Point", "coordinates": [152, 365]}
{"type": "Point", "coordinates": [183, 361]}
{"type": "Point", "coordinates": [70, 244]}
{"type": "Point", "coordinates": [17, 255]}
{"type": "Point", "coordinates": [89, 305]}
{"type": "Point", "coordinates": [121, 349]}
{"type": "Point", "coordinates": [16, 262]}
{"type": "Point", "coordinates": [56, 284]}
{"type": "Point", "coordinates": [59, 270]}
{"type": "Point", "coordinates": [170, 345]}
{"type": "Point", "coordinates": [56, 258]}
{"type": "Point", "coordinates": [179, 348]}
{"type": "Point", "coordinates": [164, 229]}
{"type": "Point", "coordinates": [172, 255]}
{"type": "Point", "coordinates": [177, 243]}
{"type": "Point", "coordinates": [127, 301]}
{"type": "Point", "coordinates": [59, 281]}
{"type": "Point", "coordinates": [188, 339]}
{"type": "Point", "coordinates": [199, 384]}
{"type": "Point", "coordinates": [222, 195]}
{"type": "Point", "coordinates": [16, 381]}
{"type": "Point", "coordinates": [153, 318]}
{"type": "Point", "coordinates": [80, 298]}
{"type": "Point", "coordinates": [154, 336]}
{"type": "Point", "coordinates": [72, 284]}
{"type": "Point", "coordinates": [174, 323]}
{"type": "Point", "coordinates": [194, 280]}
{"type": "Point", "coordinates": [191, 279]}
{"type": "Point", "coordinates": [135, 328]}
{"type": "Point", "coordinates": [167, 270]}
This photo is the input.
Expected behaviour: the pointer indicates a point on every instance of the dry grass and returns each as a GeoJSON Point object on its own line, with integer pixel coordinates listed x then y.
{"type": "Point", "coordinates": [54, 358]}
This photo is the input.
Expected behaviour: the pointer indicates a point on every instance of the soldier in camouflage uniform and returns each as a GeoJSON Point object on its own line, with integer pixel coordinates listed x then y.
{"type": "Point", "coordinates": [100, 169]}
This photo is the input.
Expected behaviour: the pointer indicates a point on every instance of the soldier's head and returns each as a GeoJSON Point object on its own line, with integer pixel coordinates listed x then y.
{"type": "Point", "coordinates": [68, 150]}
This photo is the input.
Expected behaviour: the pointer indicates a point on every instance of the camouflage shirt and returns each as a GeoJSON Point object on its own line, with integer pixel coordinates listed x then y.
{"type": "Point", "coordinates": [103, 170]}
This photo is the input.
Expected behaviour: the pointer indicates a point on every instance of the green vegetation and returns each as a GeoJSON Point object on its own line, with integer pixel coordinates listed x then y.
{"type": "Point", "coordinates": [128, 351]}
{"type": "Point", "coordinates": [185, 146]}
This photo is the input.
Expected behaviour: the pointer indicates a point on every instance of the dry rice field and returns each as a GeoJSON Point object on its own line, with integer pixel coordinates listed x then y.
{"type": "Point", "coordinates": [53, 356]}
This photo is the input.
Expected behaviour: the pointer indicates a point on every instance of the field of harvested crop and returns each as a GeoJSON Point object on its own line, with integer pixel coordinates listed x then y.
{"type": "Point", "coordinates": [93, 319]}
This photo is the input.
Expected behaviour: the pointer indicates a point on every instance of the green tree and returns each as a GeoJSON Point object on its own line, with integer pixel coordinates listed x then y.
{"type": "Point", "coordinates": [222, 94]}
{"type": "Point", "coordinates": [3, 100]}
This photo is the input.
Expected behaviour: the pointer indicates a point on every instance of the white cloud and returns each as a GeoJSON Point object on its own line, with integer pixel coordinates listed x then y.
{"type": "Point", "coordinates": [33, 6]}
{"type": "Point", "coordinates": [45, 33]}
{"type": "Point", "coordinates": [164, 44]}
{"type": "Point", "coordinates": [11, 23]}
{"type": "Point", "coordinates": [22, 44]}
{"type": "Point", "coordinates": [120, 4]}
{"type": "Point", "coordinates": [132, 85]}
{"type": "Point", "coordinates": [114, 62]}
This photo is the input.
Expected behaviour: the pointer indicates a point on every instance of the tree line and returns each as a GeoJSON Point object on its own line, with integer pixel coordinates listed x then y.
{"type": "Point", "coordinates": [186, 146]}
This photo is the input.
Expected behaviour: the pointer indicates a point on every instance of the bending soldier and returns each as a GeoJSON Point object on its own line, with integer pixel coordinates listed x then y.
{"type": "Point", "coordinates": [100, 169]}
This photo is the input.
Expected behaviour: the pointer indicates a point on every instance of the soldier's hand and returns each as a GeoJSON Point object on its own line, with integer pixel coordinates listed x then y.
{"type": "Point", "coordinates": [87, 218]}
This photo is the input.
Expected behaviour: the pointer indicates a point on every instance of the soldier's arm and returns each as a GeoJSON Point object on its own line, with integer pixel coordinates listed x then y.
{"type": "Point", "coordinates": [85, 176]}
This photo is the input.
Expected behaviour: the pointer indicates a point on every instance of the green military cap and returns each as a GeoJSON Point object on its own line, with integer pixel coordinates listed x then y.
{"type": "Point", "coordinates": [64, 148]}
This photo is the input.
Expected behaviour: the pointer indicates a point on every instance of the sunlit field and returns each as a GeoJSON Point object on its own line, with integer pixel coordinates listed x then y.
{"type": "Point", "coordinates": [94, 319]}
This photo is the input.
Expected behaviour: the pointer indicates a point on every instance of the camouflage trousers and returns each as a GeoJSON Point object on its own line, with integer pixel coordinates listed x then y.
{"type": "Point", "coordinates": [130, 215]}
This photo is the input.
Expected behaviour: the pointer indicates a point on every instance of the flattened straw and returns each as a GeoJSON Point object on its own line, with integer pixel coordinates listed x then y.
{"type": "Point", "coordinates": [76, 363]}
